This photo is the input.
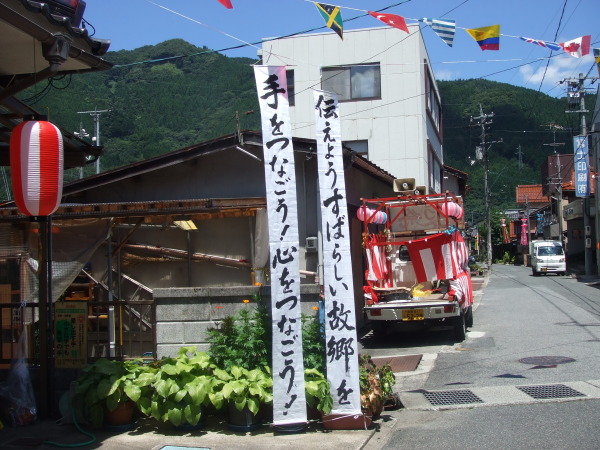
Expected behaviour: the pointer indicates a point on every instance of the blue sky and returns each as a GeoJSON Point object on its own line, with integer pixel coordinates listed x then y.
{"type": "Point", "coordinates": [130, 24]}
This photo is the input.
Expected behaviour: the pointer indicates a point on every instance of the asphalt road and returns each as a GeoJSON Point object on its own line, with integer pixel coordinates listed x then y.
{"type": "Point", "coordinates": [529, 368]}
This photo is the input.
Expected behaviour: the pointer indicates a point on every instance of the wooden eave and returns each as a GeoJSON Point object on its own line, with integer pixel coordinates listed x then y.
{"type": "Point", "coordinates": [151, 211]}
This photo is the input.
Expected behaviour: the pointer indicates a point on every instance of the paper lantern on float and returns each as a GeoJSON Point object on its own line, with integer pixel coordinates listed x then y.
{"type": "Point", "coordinates": [36, 166]}
{"type": "Point", "coordinates": [367, 214]}
{"type": "Point", "coordinates": [452, 209]}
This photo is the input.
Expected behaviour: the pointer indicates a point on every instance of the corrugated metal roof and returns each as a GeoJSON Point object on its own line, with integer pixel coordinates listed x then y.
{"type": "Point", "coordinates": [194, 151]}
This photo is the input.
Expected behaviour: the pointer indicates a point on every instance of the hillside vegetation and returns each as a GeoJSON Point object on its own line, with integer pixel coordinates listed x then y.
{"type": "Point", "coordinates": [193, 94]}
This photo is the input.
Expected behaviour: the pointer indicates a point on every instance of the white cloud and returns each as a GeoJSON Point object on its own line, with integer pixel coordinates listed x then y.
{"type": "Point", "coordinates": [446, 75]}
{"type": "Point", "coordinates": [560, 68]}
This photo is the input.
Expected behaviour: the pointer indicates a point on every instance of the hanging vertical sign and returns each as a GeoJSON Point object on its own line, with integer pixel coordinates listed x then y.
{"type": "Point", "coordinates": [582, 171]}
{"type": "Point", "coordinates": [70, 334]}
{"type": "Point", "coordinates": [340, 319]}
{"type": "Point", "coordinates": [289, 400]}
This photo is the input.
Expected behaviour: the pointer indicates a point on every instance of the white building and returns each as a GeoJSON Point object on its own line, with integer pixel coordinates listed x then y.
{"type": "Point", "coordinates": [389, 101]}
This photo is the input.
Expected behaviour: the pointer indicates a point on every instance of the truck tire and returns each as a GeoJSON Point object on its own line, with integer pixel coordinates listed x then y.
{"type": "Point", "coordinates": [534, 272]}
{"type": "Point", "coordinates": [469, 317]}
{"type": "Point", "coordinates": [460, 328]}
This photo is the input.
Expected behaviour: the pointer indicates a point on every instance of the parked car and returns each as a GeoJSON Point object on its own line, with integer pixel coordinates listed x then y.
{"type": "Point", "coordinates": [547, 257]}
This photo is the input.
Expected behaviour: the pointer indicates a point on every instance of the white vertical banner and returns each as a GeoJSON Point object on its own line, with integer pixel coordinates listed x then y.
{"type": "Point", "coordinates": [340, 318]}
{"type": "Point", "coordinates": [289, 400]}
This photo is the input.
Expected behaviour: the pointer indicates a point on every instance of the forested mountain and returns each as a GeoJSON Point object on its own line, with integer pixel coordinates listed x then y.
{"type": "Point", "coordinates": [189, 94]}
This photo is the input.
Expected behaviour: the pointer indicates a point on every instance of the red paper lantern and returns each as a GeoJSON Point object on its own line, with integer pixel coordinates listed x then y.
{"type": "Point", "coordinates": [36, 166]}
{"type": "Point", "coordinates": [452, 209]}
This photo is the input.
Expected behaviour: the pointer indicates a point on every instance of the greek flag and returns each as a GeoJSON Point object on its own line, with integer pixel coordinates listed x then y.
{"type": "Point", "coordinates": [444, 28]}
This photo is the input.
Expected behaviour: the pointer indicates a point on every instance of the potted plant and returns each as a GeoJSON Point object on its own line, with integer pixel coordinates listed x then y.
{"type": "Point", "coordinates": [109, 389]}
{"type": "Point", "coordinates": [180, 389]}
{"type": "Point", "coordinates": [243, 391]}
{"type": "Point", "coordinates": [318, 393]}
{"type": "Point", "coordinates": [376, 386]}
{"type": "Point", "coordinates": [243, 339]}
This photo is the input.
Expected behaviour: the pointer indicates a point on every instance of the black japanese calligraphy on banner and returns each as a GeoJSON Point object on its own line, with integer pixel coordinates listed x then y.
{"type": "Point", "coordinates": [340, 323]}
{"type": "Point", "coordinates": [289, 401]}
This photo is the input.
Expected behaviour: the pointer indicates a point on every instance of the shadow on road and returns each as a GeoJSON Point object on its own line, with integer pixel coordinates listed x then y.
{"type": "Point", "coordinates": [407, 339]}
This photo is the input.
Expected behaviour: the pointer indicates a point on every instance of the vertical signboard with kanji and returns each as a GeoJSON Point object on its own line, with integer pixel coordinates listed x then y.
{"type": "Point", "coordinates": [340, 320]}
{"type": "Point", "coordinates": [289, 400]}
{"type": "Point", "coordinates": [70, 334]}
{"type": "Point", "coordinates": [582, 170]}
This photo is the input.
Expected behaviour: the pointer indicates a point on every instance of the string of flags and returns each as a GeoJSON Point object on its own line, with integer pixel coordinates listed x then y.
{"type": "Point", "coordinates": [488, 38]}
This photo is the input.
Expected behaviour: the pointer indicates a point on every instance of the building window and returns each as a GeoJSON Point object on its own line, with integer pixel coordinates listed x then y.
{"type": "Point", "coordinates": [435, 171]}
{"type": "Point", "coordinates": [434, 107]}
{"type": "Point", "coordinates": [290, 87]}
{"type": "Point", "coordinates": [359, 82]}
{"type": "Point", "coordinates": [360, 147]}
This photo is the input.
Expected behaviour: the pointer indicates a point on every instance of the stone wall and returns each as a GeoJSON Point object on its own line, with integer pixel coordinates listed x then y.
{"type": "Point", "coordinates": [183, 315]}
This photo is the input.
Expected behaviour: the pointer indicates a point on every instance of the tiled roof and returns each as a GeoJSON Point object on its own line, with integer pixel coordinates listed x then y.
{"type": "Point", "coordinates": [530, 193]}
{"type": "Point", "coordinates": [98, 47]}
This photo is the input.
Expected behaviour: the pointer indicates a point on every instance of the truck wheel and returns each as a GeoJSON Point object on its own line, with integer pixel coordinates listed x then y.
{"type": "Point", "coordinates": [460, 328]}
{"type": "Point", "coordinates": [534, 272]}
{"type": "Point", "coordinates": [469, 317]}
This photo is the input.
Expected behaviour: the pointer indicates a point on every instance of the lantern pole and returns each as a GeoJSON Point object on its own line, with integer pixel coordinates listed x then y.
{"type": "Point", "coordinates": [46, 322]}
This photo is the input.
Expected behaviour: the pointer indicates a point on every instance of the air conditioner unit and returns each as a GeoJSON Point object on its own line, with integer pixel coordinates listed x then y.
{"type": "Point", "coordinates": [404, 184]}
{"type": "Point", "coordinates": [311, 243]}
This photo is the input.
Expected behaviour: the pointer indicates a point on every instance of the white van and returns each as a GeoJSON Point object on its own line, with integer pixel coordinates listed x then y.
{"type": "Point", "coordinates": [547, 256]}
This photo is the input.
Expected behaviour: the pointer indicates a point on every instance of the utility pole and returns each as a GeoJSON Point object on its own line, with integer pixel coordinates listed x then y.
{"type": "Point", "coordinates": [576, 94]}
{"type": "Point", "coordinates": [96, 139]}
{"type": "Point", "coordinates": [484, 122]}
{"type": "Point", "coordinates": [557, 181]}
{"type": "Point", "coordinates": [81, 134]}
{"type": "Point", "coordinates": [520, 156]}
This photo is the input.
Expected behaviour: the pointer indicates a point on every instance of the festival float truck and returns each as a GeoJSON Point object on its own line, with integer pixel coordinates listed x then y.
{"type": "Point", "coordinates": [417, 272]}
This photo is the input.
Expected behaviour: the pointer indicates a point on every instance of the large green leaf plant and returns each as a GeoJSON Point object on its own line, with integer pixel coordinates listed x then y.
{"type": "Point", "coordinates": [106, 384]}
{"type": "Point", "coordinates": [180, 388]}
{"type": "Point", "coordinates": [243, 387]}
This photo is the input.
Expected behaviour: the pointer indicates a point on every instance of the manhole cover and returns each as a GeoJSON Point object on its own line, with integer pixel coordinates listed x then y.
{"type": "Point", "coordinates": [550, 391]}
{"type": "Point", "coordinates": [546, 360]}
{"type": "Point", "coordinates": [459, 397]}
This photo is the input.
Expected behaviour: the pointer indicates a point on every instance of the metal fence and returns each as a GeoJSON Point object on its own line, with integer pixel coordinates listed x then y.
{"type": "Point", "coordinates": [132, 321]}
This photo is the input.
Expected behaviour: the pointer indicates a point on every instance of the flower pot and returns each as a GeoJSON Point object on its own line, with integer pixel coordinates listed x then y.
{"type": "Point", "coordinates": [340, 421]}
{"type": "Point", "coordinates": [122, 418]}
{"type": "Point", "coordinates": [244, 420]}
{"type": "Point", "coordinates": [312, 413]}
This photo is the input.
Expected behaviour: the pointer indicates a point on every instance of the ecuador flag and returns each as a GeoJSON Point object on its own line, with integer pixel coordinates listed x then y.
{"type": "Point", "coordinates": [488, 38]}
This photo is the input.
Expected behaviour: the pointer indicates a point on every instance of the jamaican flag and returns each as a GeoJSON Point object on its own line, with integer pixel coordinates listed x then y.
{"type": "Point", "coordinates": [332, 16]}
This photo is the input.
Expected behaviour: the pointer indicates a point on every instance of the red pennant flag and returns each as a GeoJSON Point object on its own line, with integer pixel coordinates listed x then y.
{"type": "Point", "coordinates": [392, 20]}
{"type": "Point", "coordinates": [226, 3]}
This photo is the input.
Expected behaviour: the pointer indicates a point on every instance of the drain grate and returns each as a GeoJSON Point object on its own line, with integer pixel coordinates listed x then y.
{"type": "Point", "coordinates": [550, 391]}
{"type": "Point", "coordinates": [458, 397]}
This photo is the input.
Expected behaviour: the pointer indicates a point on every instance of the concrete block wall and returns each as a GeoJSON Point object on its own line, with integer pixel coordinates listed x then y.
{"type": "Point", "coordinates": [183, 315]}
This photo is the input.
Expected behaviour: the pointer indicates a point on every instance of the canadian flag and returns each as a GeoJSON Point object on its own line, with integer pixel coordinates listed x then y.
{"type": "Point", "coordinates": [577, 47]}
